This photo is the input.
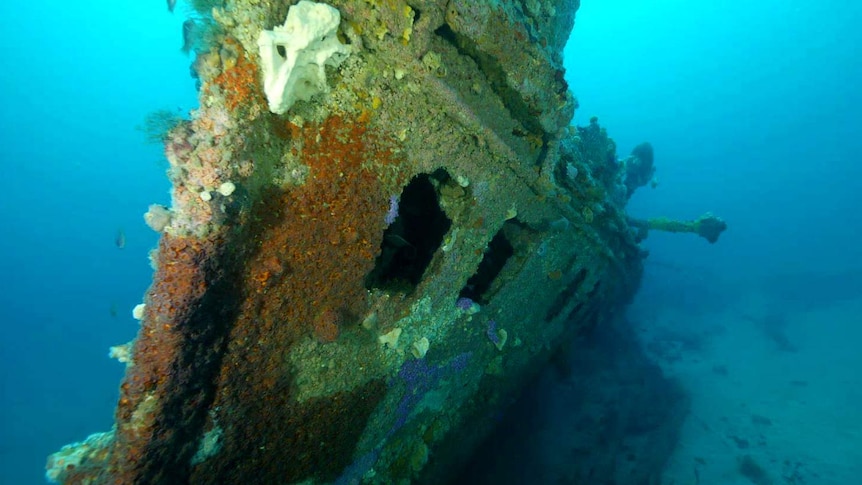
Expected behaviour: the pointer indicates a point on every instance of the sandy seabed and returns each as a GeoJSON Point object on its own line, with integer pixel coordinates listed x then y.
{"type": "Point", "coordinates": [768, 405]}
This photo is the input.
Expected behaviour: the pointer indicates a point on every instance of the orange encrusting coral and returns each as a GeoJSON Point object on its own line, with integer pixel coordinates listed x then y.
{"type": "Point", "coordinates": [313, 247]}
{"type": "Point", "coordinates": [183, 277]}
{"type": "Point", "coordinates": [240, 82]}
{"type": "Point", "coordinates": [224, 312]}
{"type": "Point", "coordinates": [327, 325]}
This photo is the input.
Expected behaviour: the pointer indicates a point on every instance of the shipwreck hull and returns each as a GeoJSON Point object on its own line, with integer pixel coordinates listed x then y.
{"type": "Point", "coordinates": [390, 262]}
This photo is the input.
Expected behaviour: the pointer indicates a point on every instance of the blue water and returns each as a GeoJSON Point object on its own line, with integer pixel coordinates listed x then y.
{"type": "Point", "coordinates": [78, 77]}
{"type": "Point", "coordinates": [753, 110]}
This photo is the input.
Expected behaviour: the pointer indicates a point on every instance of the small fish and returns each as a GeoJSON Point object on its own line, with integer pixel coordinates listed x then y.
{"type": "Point", "coordinates": [188, 35]}
{"type": "Point", "coordinates": [120, 238]}
{"type": "Point", "coordinates": [397, 241]}
{"type": "Point", "coordinates": [171, 5]}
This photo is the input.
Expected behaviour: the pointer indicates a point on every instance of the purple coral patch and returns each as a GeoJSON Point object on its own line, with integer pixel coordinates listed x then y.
{"type": "Point", "coordinates": [393, 210]}
{"type": "Point", "coordinates": [464, 304]}
{"type": "Point", "coordinates": [492, 334]}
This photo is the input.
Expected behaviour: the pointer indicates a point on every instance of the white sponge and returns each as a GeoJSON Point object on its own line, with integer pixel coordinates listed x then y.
{"type": "Point", "coordinates": [293, 55]}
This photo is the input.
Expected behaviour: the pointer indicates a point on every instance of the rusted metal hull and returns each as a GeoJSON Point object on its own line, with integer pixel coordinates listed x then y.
{"type": "Point", "coordinates": [294, 331]}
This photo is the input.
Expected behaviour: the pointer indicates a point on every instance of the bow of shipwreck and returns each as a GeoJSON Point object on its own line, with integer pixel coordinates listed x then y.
{"type": "Point", "coordinates": [350, 291]}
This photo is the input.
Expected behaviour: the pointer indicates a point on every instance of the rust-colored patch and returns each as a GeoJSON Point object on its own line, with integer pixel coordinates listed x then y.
{"type": "Point", "coordinates": [316, 242]}
{"type": "Point", "coordinates": [298, 441]}
{"type": "Point", "coordinates": [287, 130]}
{"type": "Point", "coordinates": [313, 247]}
{"type": "Point", "coordinates": [327, 325]}
{"type": "Point", "coordinates": [175, 350]}
{"type": "Point", "coordinates": [223, 313]}
{"type": "Point", "coordinates": [240, 82]}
